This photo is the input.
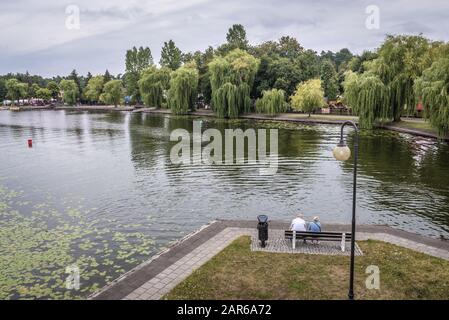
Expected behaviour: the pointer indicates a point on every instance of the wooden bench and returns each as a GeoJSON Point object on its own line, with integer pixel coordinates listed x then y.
{"type": "Point", "coordinates": [321, 236]}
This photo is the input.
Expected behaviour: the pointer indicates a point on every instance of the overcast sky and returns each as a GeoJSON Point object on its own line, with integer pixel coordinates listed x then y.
{"type": "Point", "coordinates": [34, 35]}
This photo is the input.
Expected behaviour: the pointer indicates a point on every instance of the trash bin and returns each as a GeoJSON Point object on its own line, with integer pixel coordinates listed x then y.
{"type": "Point", "coordinates": [262, 226]}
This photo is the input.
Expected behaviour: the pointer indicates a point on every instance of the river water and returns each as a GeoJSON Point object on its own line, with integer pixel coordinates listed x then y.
{"type": "Point", "coordinates": [97, 193]}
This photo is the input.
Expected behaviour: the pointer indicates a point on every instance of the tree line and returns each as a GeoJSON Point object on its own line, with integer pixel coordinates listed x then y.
{"type": "Point", "coordinates": [271, 77]}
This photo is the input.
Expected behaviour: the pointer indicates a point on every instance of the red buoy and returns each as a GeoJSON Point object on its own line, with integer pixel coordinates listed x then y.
{"type": "Point", "coordinates": [30, 143]}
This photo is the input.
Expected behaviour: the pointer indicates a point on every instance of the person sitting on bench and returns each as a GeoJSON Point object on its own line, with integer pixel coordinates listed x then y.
{"type": "Point", "coordinates": [299, 224]}
{"type": "Point", "coordinates": [315, 226]}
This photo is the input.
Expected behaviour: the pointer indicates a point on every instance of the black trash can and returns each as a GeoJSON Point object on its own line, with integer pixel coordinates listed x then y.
{"type": "Point", "coordinates": [262, 226]}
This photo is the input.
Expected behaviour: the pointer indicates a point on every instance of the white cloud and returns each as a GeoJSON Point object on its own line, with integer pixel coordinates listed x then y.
{"type": "Point", "coordinates": [34, 36]}
{"type": "Point", "coordinates": [28, 26]}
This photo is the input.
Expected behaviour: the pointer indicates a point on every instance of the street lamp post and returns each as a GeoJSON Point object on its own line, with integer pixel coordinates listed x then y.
{"type": "Point", "coordinates": [342, 152]}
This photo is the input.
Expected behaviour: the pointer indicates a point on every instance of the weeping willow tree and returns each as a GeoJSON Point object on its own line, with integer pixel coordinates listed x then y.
{"type": "Point", "coordinates": [272, 102]}
{"type": "Point", "coordinates": [433, 90]}
{"type": "Point", "coordinates": [183, 89]}
{"type": "Point", "coordinates": [390, 80]}
{"type": "Point", "coordinates": [369, 98]}
{"type": "Point", "coordinates": [153, 85]}
{"type": "Point", "coordinates": [402, 59]}
{"type": "Point", "coordinates": [232, 78]}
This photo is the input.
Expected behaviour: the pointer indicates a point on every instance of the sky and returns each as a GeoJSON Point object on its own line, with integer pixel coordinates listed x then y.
{"type": "Point", "coordinates": [44, 37]}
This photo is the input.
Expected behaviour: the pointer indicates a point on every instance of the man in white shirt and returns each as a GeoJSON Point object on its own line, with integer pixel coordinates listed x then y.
{"type": "Point", "coordinates": [298, 224]}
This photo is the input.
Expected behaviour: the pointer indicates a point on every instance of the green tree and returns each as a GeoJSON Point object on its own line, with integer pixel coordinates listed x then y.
{"type": "Point", "coordinates": [131, 80]}
{"type": "Point", "coordinates": [112, 92]}
{"type": "Point", "coordinates": [107, 76]}
{"type": "Point", "coordinates": [236, 37]}
{"type": "Point", "coordinates": [144, 58]}
{"type": "Point", "coordinates": [232, 78]}
{"type": "Point", "coordinates": [329, 80]}
{"type": "Point", "coordinates": [44, 94]}
{"type": "Point", "coordinates": [137, 60]}
{"type": "Point", "coordinates": [385, 90]}
{"type": "Point", "coordinates": [286, 73]}
{"type": "Point", "coordinates": [401, 60]}
{"type": "Point", "coordinates": [74, 76]}
{"type": "Point", "coordinates": [88, 77]}
{"type": "Point", "coordinates": [15, 90]}
{"type": "Point", "coordinates": [289, 47]}
{"type": "Point", "coordinates": [309, 63]}
{"type": "Point", "coordinates": [308, 97]}
{"type": "Point", "coordinates": [342, 57]}
{"type": "Point", "coordinates": [283, 64]}
{"type": "Point", "coordinates": [183, 89]}
{"type": "Point", "coordinates": [3, 90]}
{"type": "Point", "coordinates": [202, 60]}
{"type": "Point", "coordinates": [54, 89]}
{"type": "Point", "coordinates": [70, 92]}
{"type": "Point", "coordinates": [433, 89]}
{"type": "Point", "coordinates": [285, 47]}
{"type": "Point", "coordinates": [32, 89]}
{"type": "Point", "coordinates": [357, 63]}
{"type": "Point", "coordinates": [368, 97]}
{"type": "Point", "coordinates": [272, 102]}
{"type": "Point", "coordinates": [171, 56]}
{"type": "Point", "coordinates": [94, 88]}
{"type": "Point", "coordinates": [153, 85]}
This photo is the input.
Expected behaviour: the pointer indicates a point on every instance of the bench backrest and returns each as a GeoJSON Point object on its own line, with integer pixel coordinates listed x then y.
{"type": "Point", "coordinates": [320, 235]}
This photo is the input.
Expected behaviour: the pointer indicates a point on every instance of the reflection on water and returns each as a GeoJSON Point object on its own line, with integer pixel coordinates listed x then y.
{"type": "Point", "coordinates": [116, 168]}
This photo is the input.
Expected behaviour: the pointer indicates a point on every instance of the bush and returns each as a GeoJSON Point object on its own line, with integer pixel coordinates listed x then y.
{"type": "Point", "coordinates": [308, 97]}
{"type": "Point", "coordinates": [272, 102]}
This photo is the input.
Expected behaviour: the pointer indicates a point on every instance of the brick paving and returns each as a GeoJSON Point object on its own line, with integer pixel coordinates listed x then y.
{"type": "Point", "coordinates": [156, 277]}
{"type": "Point", "coordinates": [439, 252]}
{"type": "Point", "coordinates": [278, 244]}
{"type": "Point", "coordinates": [165, 281]}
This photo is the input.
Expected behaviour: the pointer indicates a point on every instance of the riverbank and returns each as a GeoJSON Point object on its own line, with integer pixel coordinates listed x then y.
{"type": "Point", "coordinates": [240, 273]}
{"type": "Point", "coordinates": [71, 108]}
{"type": "Point", "coordinates": [205, 255]}
{"type": "Point", "coordinates": [97, 108]}
{"type": "Point", "coordinates": [417, 127]}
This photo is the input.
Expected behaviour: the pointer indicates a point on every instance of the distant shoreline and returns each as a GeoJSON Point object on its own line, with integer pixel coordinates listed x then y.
{"type": "Point", "coordinates": [289, 117]}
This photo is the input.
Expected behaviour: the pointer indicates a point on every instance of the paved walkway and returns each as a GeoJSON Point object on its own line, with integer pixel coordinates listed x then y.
{"type": "Point", "coordinates": [278, 244]}
{"type": "Point", "coordinates": [159, 275]}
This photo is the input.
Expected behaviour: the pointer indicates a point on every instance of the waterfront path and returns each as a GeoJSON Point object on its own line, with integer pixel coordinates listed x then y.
{"type": "Point", "coordinates": [417, 127]}
{"type": "Point", "coordinates": [156, 277]}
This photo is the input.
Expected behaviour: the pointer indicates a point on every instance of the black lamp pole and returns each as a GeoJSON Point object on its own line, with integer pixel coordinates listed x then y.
{"type": "Point", "coordinates": [356, 151]}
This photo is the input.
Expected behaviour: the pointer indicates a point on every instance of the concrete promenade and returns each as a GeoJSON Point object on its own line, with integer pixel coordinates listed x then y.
{"type": "Point", "coordinates": [156, 277]}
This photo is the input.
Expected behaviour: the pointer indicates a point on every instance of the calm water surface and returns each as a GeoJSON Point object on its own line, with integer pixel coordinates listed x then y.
{"type": "Point", "coordinates": [98, 190]}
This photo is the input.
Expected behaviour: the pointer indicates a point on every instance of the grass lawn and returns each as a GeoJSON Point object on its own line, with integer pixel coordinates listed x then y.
{"type": "Point", "coordinates": [238, 273]}
{"type": "Point", "coordinates": [420, 125]}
